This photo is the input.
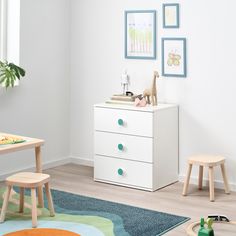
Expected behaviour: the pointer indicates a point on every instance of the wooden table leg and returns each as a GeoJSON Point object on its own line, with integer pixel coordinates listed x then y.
{"type": "Point", "coordinates": [39, 170]}
{"type": "Point", "coordinates": [211, 184]}
{"type": "Point", "coordinates": [225, 178]}
{"type": "Point", "coordinates": [186, 183]}
{"type": "Point", "coordinates": [22, 196]}
{"type": "Point", "coordinates": [200, 177]}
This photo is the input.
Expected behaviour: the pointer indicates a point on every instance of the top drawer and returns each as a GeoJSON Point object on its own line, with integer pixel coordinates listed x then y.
{"type": "Point", "coordinates": [123, 121]}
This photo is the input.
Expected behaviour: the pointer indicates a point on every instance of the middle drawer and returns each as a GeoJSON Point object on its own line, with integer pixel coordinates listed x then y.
{"type": "Point", "coordinates": [124, 146]}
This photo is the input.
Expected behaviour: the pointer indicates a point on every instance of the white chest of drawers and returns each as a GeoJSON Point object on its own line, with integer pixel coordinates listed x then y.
{"type": "Point", "coordinates": [136, 147]}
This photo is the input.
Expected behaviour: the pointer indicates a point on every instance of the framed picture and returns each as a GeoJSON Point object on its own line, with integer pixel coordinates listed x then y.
{"type": "Point", "coordinates": [171, 15]}
{"type": "Point", "coordinates": [140, 34]}
{"type": "Point", "coordinates": [174, 57]}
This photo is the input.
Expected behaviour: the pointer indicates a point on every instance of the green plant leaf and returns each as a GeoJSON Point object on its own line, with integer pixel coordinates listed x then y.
{"type": "Point", "coordinates": [2, 80]}
{"type": "Point", "coordinates": [22, 72]}
{"type": "Point", "coordinates": [9, 73]}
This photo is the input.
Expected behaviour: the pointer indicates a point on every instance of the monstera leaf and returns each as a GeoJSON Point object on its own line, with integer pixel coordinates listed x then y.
{"type": "Point", "coordinates": [10, 73]}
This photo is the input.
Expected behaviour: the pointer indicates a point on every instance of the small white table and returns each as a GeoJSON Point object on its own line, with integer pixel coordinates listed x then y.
{"type": "Point", "coordinates": [28, 144]}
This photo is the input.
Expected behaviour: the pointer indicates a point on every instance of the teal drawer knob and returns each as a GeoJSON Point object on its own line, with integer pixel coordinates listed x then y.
{"type": "Point", "coordinates": [120, 146]}
{"type": "Point", "coordinates": [120, 171]}
{"type": "Point", "coordinates": [120, 122]}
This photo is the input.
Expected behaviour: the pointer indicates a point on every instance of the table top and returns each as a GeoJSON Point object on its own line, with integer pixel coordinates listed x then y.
{"type": "Point", "coordinates": [29, 143]}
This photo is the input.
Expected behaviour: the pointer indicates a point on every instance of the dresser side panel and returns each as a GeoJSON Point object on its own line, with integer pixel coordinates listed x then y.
{"type": "Point", "coordinates": [165, 150]}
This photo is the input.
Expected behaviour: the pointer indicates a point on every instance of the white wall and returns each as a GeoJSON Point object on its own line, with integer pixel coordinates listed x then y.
{"type": "Point", "coordinates": [39, 107]}
{"type": "Point", "coordinates": [206, 97]}
{"type": "Point", "coordinates": [42, 106]}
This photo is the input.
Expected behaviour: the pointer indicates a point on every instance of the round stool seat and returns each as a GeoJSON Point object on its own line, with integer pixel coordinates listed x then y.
{"type": "Point", "coordinates": [28, 179]}
{"type": "Point", "coordinates": [206, 160]}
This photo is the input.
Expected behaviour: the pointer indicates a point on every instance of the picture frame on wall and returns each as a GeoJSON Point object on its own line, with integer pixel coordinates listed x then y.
{"type": "Point", "coordinates": [174, 61]}
{"type": "Point", "coordinates": [140, 34]}
{"type": "Point", "coordinates": [170, 15]}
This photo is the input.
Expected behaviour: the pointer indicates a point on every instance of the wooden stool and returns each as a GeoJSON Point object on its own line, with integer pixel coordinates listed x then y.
{"type": "Point", "coordinates": [210, 162]}
{"type": "Point", "coordinates": [32, 181]}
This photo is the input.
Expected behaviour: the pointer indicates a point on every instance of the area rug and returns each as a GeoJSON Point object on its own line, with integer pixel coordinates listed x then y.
{"type": "Point", "coordinates": [88, 216]}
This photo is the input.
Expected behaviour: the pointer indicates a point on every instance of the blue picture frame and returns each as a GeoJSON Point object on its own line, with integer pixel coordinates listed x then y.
{"type": "Point", "coordinates": [177, 21]}
{"type": "Point", "coordinates": [176, 50]}
{"type": "Point", "coordinates": [132, 50]}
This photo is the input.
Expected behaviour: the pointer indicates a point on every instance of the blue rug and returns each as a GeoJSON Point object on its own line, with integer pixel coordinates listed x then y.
{"type": "Point", "coordinates": [93, 217]}
{"type": "Point", "coordinates": [127, 220]}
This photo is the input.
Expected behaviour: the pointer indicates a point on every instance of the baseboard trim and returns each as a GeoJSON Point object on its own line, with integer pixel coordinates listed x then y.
{"type": "Point", "coordinates": [46, 165]}
{"type": "Point", "coordinates": [81, 161]}
{"type": "Point", "coordinates": [89, 162]}
{"type": "Point", "coordinates": [51, 164]}
{"type": "Point", "coordinates": [193, 180]}
{"type": "Point", "coordinates": [218, 183]}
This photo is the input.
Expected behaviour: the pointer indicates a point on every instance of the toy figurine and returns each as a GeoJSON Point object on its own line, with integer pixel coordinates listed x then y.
{"type": "Point", "coordinates": [206, 231]}
{"type": "Point", "coordinates": [222, 219]}
{"type": "Point", "coordinates": [125, 80]}
{"type": "Point", "coordinates": [152, 92]}
{"type": "Point", "coordinates": [140, 101]}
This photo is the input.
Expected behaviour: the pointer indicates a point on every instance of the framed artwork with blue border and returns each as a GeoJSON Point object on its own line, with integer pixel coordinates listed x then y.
{"type": "Point", "coordinates": [140, 34]}
{"type": "Point", "coordinates": [170, 15]}
{"type": "Point", "coordinates": [174, 61]}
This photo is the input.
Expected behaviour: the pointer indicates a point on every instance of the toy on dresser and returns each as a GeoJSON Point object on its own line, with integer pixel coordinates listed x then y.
{"type": "Point", "coordinates": [152, 92]}
{"type": "Point", "coordinates": [125, 81]}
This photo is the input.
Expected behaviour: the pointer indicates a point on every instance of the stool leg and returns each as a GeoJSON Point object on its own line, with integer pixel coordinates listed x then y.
{"type": "Point", "coordinates": [49, 197]}
{"type": "Point", "coordinates": [186, 184]}
{"type": "Point", "coordinates": [225, 178]}
{"type": "Point", "coordinates": [34, 207]}
{"type": "Point", "coordinates": [5, 204]}
{"type": "Point", "coordinates": [200, 177]}
{"type": "Point", "coordinates": [22, 196]}
{"type": "Point", "coordinates": [211, 184]}
{"type": "Point", "coordinates": [40, 197]}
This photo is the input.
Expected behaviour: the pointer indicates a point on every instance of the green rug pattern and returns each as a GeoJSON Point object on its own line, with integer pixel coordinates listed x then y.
{"type": "Point", "coordinates": [89, 216]}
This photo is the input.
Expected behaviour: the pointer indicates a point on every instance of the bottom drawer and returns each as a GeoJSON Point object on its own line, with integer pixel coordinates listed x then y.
{"type": "Point", "coordinates": [126, 172]}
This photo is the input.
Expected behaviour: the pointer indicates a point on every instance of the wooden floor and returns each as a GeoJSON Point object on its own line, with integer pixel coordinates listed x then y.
{"type": "Point", "coordinates": [79, 179]}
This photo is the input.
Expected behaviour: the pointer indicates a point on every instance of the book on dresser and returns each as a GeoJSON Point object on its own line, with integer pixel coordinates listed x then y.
{"type": "Point", "coordinates": [122, 99]}
{"type": "Point", "coordinates": [136, 146]}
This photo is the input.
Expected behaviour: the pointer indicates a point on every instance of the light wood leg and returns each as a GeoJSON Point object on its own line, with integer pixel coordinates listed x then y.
{"type": "Point", "coordinates": [34, 207]}
{"type": "Point", "coordinates": [22, 196]}
{"type": "Point", "coordinates": [186, 184]}
{"type": "Point", "coordinates": [227, 190]}
{"type": "Point", "coordinates": [200, 177]}
{"type": "Point", "coordinates": [5, 204]}
{"type": "Point", "coordinates": [211, 184]}
{"type": "Point", "coordinates": [39, 170]}
{"type": "Point", "coordinates": [49, 197]}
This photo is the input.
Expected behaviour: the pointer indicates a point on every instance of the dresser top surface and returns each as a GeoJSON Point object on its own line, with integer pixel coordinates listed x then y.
{"type": "Point", "coordinates": [148, 108]}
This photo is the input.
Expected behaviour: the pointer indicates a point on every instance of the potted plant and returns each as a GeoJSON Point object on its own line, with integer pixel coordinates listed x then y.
{"type": "Point", "coordinates": [10, 73]}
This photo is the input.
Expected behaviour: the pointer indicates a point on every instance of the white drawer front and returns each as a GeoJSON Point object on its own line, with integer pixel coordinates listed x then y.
{"type": "Point", "coordinates": [123, 121]}
{"type": "Point", "coordinates": [123, 171]}
{"type": "Point", "coordinates": [124, 146]}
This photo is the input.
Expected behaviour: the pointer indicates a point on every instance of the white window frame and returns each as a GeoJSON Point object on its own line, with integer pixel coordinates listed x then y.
{"type": "Point", "coordinates": [3, 29]}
